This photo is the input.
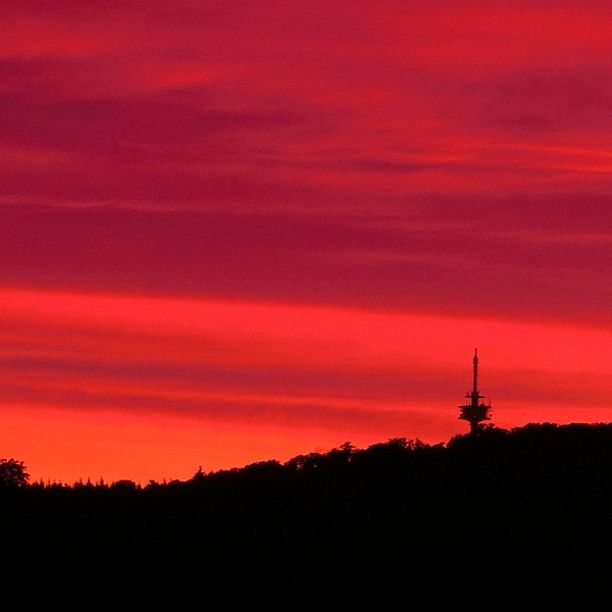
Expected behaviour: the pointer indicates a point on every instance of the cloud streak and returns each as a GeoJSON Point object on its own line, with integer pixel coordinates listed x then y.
{"type": "Point", "coordinates": [299, 214]}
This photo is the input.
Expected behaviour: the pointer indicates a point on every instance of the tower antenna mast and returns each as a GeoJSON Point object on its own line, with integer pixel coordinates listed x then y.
{"type": "Point", "coordinates": [476, 411]}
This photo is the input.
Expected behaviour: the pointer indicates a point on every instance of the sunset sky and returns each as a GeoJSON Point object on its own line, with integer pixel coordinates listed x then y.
{"type": "Point", "coordinates": [233, 231]}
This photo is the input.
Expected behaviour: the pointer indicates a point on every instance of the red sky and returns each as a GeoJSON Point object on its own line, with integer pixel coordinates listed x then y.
{"type": "Point", "coordinates": [234, 231]}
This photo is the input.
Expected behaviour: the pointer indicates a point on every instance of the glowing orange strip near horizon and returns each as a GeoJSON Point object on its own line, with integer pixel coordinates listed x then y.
{"type": "Point", "coordinates": [123, 386]}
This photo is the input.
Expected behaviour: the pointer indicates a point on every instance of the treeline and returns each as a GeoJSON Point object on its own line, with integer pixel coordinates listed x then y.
{"type": "Point", "coordinates": [523, 509]}
{"type": "Point", "coordinates": [577, 453]}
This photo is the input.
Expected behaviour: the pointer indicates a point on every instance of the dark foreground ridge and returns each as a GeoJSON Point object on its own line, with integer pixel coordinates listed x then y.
{"type": "Point", "coordinates": [520, 510]}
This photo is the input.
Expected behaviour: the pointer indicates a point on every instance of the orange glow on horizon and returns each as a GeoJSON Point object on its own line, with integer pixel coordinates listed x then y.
{"type": "Point", "coordinates": [240, 381]}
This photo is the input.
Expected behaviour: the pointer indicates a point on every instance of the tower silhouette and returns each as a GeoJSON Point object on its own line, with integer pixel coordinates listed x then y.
{"type": "Point", "coordinates": [475, 412]}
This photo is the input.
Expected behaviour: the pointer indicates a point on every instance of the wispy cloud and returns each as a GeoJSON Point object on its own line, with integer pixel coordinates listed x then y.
{"type": "Point", "coordinates": [301, 213]}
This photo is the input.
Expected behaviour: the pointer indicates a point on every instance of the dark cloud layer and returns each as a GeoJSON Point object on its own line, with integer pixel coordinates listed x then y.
{"type": "Point", "coordinates": [443, 158]}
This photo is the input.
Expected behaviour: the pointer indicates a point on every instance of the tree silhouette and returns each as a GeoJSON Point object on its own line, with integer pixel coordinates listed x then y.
{"type": "Point", "coordinates": [13, 474]}
{"type": "Point", "coordinates": [516, 508]}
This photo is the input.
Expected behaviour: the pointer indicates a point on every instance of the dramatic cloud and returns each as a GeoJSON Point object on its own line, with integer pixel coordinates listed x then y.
{"type": "Point", "coordinates": [291, 222]}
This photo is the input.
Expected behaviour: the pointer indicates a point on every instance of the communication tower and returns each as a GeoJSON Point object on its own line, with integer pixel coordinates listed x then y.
{"type": "Point", "coordinates": [476, 411]}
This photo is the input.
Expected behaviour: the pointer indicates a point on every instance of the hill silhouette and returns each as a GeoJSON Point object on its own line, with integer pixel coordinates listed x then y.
{"type": "Point", "coordinates": [518, 510]}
